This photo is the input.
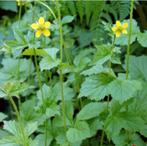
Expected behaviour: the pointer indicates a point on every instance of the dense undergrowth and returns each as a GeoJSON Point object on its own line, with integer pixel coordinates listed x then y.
{"type": "Point", "coordinates": [73, 73]}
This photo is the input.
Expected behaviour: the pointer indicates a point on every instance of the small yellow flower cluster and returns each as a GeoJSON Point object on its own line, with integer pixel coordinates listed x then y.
{"type": "Point", "coordinates": [41, 27]}
{"type": "Point", "coordinates": [119, 28]}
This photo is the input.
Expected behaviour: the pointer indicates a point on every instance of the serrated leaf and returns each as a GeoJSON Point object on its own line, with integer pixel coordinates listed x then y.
{"type": "Point", "coordinates": [80, 132]}
{"type": "Point", "coordinates": [51, 112]}
{"type": "Point", "coordinates": [137, 67]}
{"type": "Point", "coordinates": [96, 87]}
{"type": "Point", "coordinates": [122, 90]}
{"type": "Point", "coordinates": [91, 110]}
{"type": "Point", "coordinates": [141, 37]}
{"type": "Point", "coordinates": [41, 139]}
{"type": "Point", "coordinates": [31, 127]}
{"type": "Point", "coordinates": [47, 63]}
{"type": "Point", "coordinates": [119, 118]}
{"type": "Point", "coordinates": [96, 69]}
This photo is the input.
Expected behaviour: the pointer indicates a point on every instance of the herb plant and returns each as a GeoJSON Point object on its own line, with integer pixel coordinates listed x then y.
{"type": "Point", "coordinates": [72, 73]}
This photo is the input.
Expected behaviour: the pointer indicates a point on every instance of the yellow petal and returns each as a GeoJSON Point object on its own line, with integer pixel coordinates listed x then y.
{"type": "Point", "coordinates": [47, 24]}
{"type": "Point", "coordinates": [41, 20]}
{"type": "Point", "coordinates": [125, 25]}
{"type": "Point", "coordinates": [114, 28]}
{"type": "Point", "coordinates": [38, 33]}
{"type": "Point", "coordinates": [124, 31]}
{"type": "Point", "coordinates": [46, 32]}
{"type": "Point", "coordinates": [118, 24]}
{"type": "Point", "coordinates": [34, 26]}
{"type": "Point", "coordinates": [117, 34]}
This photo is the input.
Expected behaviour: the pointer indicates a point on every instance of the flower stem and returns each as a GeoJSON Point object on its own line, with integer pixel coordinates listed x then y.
{"type": "Point", "coordinates": [42, 95]}
{"type": "Point", "coordinates": [52, 12]}
{"type": "Point", "coordinates": [61, 60]}
{"type": "Point", "coordinates": [129, 40]}
{"type": "Point", "coordinates": [102, 138]}
{"type": "Point", "coordinates": [25, 138]}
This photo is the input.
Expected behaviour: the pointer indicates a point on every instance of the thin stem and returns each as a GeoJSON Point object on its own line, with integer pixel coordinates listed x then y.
{"type": "Point", "coordinates": [61, 60]}
{"type": "Point", "coordinates": [20, 11]}
{"type": "Point", "coordinates": [18, 67]}
{"type": "Point", "coordinates": [25, 138]}
{"type": "Point", "coordinates": [102, 138]}
{"type": "Point", "coordinates": [52, 12]}
{"type": "Point", "coordinates": [42, 95]}
{"type": "Point", "coordinates": [129, 40]}
{"type": "Point", "coordinates": [110, 65]}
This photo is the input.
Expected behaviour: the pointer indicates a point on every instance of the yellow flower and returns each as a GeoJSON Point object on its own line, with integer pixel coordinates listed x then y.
{"type": "Point", "coordinates": [119, 28]}
{"type": "Point", "coordinates": [41, 27]}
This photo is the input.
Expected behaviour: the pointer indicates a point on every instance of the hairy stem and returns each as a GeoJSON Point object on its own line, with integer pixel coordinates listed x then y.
{"type": "Point", "coordinates": [42, 95]}
{"type": "Point", "coordinates": [61, 60]}
{"type": "Point", "coordinates": [25, 138]}
{"type": "Point", "coordinates": [129, 40]}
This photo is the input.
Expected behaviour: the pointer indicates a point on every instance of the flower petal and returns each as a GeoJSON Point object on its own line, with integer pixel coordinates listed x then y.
{"type": "Point", "coordinates": [47, 24]}
{"type": "Point", "coordinates": [34, 26]}
{"type": "Point", "coordinates": [114, 28]}
{"type": "Point", "coordinates": [46, 32]}
{"type": "Point", "coordinates": [117, 34]}
{"type": "Point", "coordinates": [118, 24]}
{"type": "Point", "coordinates": [124, 31]}
{"type": "Point", "coordinates": [125, 25]}
{"type": "Point", "coordinates": [41, 20]}
{"type": "Point", "coordinates": [38, 33]}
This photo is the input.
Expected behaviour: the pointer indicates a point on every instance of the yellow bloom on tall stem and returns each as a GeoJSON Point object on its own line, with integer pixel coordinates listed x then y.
{"type": "Point", "coordinates": [119, 28]}
{"type": "Point", "coordinates": [41, 27]}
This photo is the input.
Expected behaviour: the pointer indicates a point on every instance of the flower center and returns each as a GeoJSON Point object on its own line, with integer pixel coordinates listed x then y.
{"type": "Point", "coordinates": [41, 27]}
{"type": "Point", "coordinates": [120, 29]}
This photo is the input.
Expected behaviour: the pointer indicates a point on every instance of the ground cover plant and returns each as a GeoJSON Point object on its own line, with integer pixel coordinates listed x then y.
{"type": "Point", "coordinates": [73, 73]}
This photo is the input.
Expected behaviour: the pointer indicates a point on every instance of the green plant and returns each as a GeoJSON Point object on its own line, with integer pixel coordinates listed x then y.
{"type": "Point", "coordinates": [82, 85]}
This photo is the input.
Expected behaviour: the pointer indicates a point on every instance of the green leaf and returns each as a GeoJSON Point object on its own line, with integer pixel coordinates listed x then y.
{"type": "Point", "coordinates": [121, 89]}
{"type": "Point", "coordinates": [11, 127]}
{"type": "Point", "coordinates": [16, 68]}
{"type": "Point", "coordinates": [31, 127]}
{"type": "Point", "coordinates": [103, 53]}
{"type": "Point", "coordinates": [27, 112]}
{"type": "Point", "coordinates": [85, 38]}
{"type": "Point", "coordinates": [32, 52]}
{"type": "Point", "coordinates": [68, 92]}
{"type": "Point", "coordinates": [67, 19]}
{"type": "Point", "coordinates": [50, 61]}
{"type": "Point", "coordinates": [47, 63]}
{"type": "Point", "coordinates": [2, 116]}
{"type": "Point", "coordinates": [40, 138]}
{"type": "Point", "coordinates": [15, 88]}
{"type": "Point", "coordinates": [51, 112]}
{"type": "Point", "coordinates": [122, 139]}
{"type": "Point", "coordinates": [120, 118]}
{"type": "Point", "coordinates": [80, 132]}
{"type": "Point", "coordinates": [52, 52]}
{"type": "Point", "coordinates": [137, 67]}
{"type": "Point", "coordinates": [96, 87]}
{"type": "Point", "coordinates": [96, 69]}
{"type": "Point", "coordinates": [141, 37]}
{"type": "Point", "coordinates": [95, 125]}
{"type": "Point", "coordinates": [8, 5]}
{"type": "Point", "coordinates": [91, 110]}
